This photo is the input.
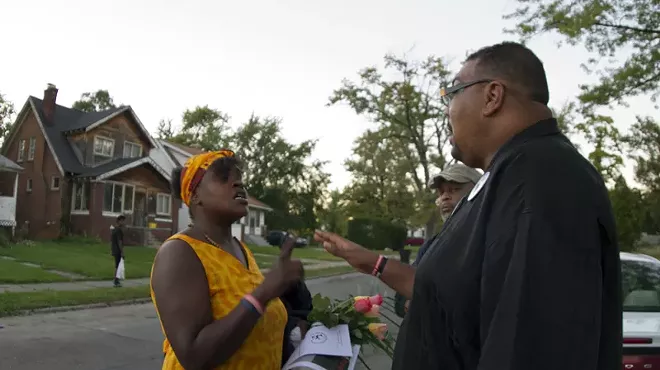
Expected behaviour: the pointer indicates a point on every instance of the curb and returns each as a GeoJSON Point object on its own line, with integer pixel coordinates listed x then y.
{"type": "Point", "coordinates": [81, 307]}
{"type": "Point", "coordinates": [45, 310]}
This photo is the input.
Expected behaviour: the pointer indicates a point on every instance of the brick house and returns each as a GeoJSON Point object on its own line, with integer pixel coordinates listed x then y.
{"type": "Point", "coordinates": [82, 170]}
{"type": "Point", "coordinates": [250, 229]}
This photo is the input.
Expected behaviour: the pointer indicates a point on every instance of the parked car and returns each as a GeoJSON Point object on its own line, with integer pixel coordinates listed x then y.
{"type": "Point", "coordinates": [274, 238]}
{"type": "Point", "coordinates": [640, 278]}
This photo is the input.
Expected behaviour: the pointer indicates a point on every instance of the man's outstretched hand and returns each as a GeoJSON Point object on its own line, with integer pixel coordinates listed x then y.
{"type": "Point", "coordinates": [356, 255]}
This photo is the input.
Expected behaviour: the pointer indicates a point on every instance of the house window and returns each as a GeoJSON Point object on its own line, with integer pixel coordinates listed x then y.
{"type": "Point", "coordinates": [55, 183]}
{"type": "Point", "coordinates": [32, 148]}
{"type": "Point", "coordinates": [118, 198]}
{"type": "Point", "coordinates": [163, 204]}
{"type": "Point", "coordinates": [80, 197]}
{"type": "Point", "coordinates": [132, 150]}
{"type": "Point", "coordinates": [21, 151]}
{"type": "Point", "coordinates": [103, 146]}
{"type": "Point", "coordinates": [28, 185]}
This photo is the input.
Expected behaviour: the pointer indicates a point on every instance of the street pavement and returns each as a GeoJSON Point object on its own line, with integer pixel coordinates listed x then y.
{"type": "Point", "coordinates": [127, 337]}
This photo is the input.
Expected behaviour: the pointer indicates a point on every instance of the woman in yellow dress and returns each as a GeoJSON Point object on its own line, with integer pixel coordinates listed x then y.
{"type": "Point", "coordinates": [216, 309]}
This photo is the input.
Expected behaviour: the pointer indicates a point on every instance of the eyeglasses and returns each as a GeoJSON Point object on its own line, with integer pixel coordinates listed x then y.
{"type": "Point", "coordinates": [446, 94]}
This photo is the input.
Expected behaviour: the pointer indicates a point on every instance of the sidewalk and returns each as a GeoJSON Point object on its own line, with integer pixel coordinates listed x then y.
{"type": "Point", "coordinates": [91, 284]}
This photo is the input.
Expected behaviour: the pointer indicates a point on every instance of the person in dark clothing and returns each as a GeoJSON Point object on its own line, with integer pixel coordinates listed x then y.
{"type": "Point", "coordinates": [298, 302]}
{"type": "Point", "coordinates": [117, 244]}
{"type": "Point", "coordinates": [526, 272]}
{"type": "Point", "coordinates": [450, 185]}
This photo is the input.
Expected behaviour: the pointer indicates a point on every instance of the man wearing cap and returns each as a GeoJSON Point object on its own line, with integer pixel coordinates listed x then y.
{"type": "Point", "coordinates": [451, 185]}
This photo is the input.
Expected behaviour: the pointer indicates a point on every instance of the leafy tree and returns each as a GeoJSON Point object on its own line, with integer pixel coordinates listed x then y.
{"type": "Point", "coordinates": [165, 131]}
{"type": "Point", "coordinates": [606, 28]}
{"type": "Point", "coordinates": [643, 142]}
{"type": "Point", "coordinates": [624, 38]}
{"type": "Point", "coordinates": [629, 212]}
{"type": "Point", "coordinates": [7, 113]}
{"type": "Point", "coordinates": [380, 186]}
{"type": "Point", "coordinates": [281, 174]}
{"type": "Point", "coordinates": [409, 115]}
{"type": "Point", "coordinates": [94, 102]}
{"type": "Point", "coordinates": [202, 127]}
{"type": "Point", "coordinates": [333, 216]}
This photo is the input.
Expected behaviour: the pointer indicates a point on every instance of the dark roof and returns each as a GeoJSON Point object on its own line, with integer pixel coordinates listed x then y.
{"type": "Point", "coordinates": [89, 118]}
{"type": "Point", "coordinates": [185, 148]}
{"type": "Point", "coordinates": [107, 167]}
{"type": "Point", "coordinates": [67, 119]}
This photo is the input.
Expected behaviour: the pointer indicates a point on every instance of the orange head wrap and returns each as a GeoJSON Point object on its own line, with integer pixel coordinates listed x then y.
{"type": "Point", "coordinates": [194, 170]}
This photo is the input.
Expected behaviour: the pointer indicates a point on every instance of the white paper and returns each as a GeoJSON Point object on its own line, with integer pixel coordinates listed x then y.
{"type": "Point", "coordinates": [320, 340]}
{"type": "Point", "coordinates": [307, 362]}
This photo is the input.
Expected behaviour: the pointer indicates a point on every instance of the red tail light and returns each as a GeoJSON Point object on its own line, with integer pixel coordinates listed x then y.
{"type": "Point", "coordinates": [637, 341]}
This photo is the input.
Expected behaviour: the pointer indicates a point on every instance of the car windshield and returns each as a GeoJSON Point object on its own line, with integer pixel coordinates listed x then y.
{"type": "Point", "coordinates": [640, 281]}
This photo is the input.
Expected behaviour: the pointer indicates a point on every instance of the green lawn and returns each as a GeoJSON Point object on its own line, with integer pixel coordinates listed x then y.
{"type": "Point", "coordinates": [12, 272]}
{"type": "Point", "coordinates": [84, 257]}
{"type": "Point", "coordinates": [14, 303]}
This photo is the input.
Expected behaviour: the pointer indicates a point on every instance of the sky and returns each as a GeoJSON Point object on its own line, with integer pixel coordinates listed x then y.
{"type": "Point", "coordinates": [274, 58]}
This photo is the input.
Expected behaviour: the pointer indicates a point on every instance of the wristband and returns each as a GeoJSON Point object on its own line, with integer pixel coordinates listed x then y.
{"type": "Point", "coordinates": [249, 306]}
{"type": "Point", "coordinates": [381, 267]}
{"type": "Point", "coordinates": [378, 262]}
{"type": "Point", "coordinates": [254, 303]}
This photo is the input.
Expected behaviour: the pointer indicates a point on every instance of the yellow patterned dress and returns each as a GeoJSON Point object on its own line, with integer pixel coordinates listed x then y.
{"type": "Point", "coordinates": [229, 281]}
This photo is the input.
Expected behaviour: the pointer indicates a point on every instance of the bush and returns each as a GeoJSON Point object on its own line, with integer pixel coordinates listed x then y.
{"type": "Point", "coordinates": [5, 237]}
{"type": "Point", "coordinates": [377, 234]}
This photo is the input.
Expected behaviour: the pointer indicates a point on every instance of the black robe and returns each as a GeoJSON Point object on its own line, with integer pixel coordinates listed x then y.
{"type": "Point", "coordinates": [525, 274]}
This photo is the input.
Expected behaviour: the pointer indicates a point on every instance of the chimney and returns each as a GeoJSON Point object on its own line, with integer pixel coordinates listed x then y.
{"type": "Point", "coordinates": [50, 96]}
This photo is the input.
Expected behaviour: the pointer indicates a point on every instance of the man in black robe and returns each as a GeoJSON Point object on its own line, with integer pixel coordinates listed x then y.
{"type": "Point", "coordinates": [526, 273]}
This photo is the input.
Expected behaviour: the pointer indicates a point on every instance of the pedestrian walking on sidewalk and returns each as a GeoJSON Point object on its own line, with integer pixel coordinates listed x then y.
{"type": "Point", "coordinates": [117, 245]}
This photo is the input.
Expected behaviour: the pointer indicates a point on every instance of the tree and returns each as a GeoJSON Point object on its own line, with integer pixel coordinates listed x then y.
{"type": "Point", "coordinates": [643, 143]}
{"type": "Point", "coordinates": [281, 174]}
{"type": "Point", "coordinates": [380, 186]}
{"type": "Point", "coordinates": [629, 212]}
{"type": "Point", "coordinates": [607, 28]}
{"type": "Point", "coordinates": [612, 30]}
{"type": "Point", "coordinates": [409, 115]}
{"type": "Point", "coordinates": [333, 216]}
{"type": "Point", "coordinates": [202, 126]}
{"type": "Point", "coordinates": [7, 113]}
{"type": "Point", "coordinates": [94, 102]}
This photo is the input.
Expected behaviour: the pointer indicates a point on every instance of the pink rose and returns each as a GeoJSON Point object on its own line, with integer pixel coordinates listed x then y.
{"type": "Point", "coordinates": [377, 300]}
{"type": "Point", "coordinates": [374, 311]}
{"type": "Point", "coordinates": [378, 329]}
{"type": "Point", "coordinates": [362, 305]}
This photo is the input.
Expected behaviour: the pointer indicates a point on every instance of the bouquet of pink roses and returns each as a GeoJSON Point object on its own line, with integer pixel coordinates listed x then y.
{"type": "Point", "coordinates": [361, 314]}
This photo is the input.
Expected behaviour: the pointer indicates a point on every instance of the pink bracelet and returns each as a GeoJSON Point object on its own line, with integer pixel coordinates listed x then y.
{"type": "Point", "coordinates": [253, 301]}
{"type": "Point", "coordinates": [380, 260]}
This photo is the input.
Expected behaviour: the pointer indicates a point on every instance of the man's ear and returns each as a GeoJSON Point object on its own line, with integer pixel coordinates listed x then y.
{"type": "Point", "coordinates": [493, 96]}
